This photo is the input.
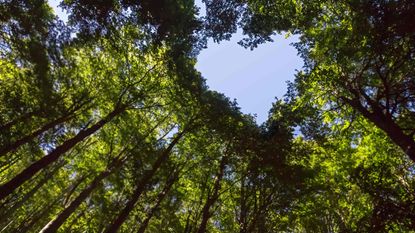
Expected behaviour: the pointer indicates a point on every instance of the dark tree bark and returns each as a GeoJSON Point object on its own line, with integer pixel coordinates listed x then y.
{"type": "Point", "coordinates": [243, 208]}
{"type": "Point", "coordinates": [72, 189]}
{"type": "Point", "coordinates": [75, 220]}
{"type": "Point", "coordinates": [122, 216]}
{"type": "Point", "coordinates": [160, 198]}
{"type": "Point", "coordinates": [54, 224]}
{"type": "Point", "coordinates": [26, 225]}
{"type": "Point", "coordinates": [211, 199]}
{"type": "Point", "coordinates": [188, 227]}
{"type": "Point", "coordinates": [387, 124]}
{"type": "Point", "coordinates": [23, 118]}
{"type": "Point", "coordinates": [28, 195]}
{"type": "Point", "coordinates": [30, 171]}
{"type": "Point", "coordinates": [8, 164]}
{"type": "Point", "coordinates": [30, 137]}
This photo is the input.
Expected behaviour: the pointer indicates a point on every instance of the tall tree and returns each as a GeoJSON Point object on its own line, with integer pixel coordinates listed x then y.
{"type": "Point", "coordinates": [164, 155]}
{"type": "Point", "coordinates": [362, 59]}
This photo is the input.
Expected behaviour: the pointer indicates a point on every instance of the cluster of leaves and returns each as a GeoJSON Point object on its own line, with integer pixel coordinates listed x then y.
{"type": "Point", "coordinates": [352, 105]}
{"type": "Point", "coordinates": [106, 126]}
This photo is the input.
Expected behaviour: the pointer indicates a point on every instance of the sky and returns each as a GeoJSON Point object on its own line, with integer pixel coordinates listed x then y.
{"type": "Point", "coordinates": [253, 78]}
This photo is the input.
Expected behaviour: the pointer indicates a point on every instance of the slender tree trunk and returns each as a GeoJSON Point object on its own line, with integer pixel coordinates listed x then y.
{"type": "Point", "coordinates": [32, 192]}
{"type": "Point", "coordinates": [73, 188]}
{"type": "Point", "coordinates": [54, 224]}
{"type": "Point", "coordinates": [253, 224]}
{"type": "Point", "coordinates": [7, 226]}
{"type": "Point", "coordinates": [75, 220]}
{"type": "Point", "coordinates": [4, 167]}
{"type": "Point", "coordinates": [30, 171]}
{"type": "Point", "coordinates": [122, 216]}
{"type": "Point", "coordinates": [243, 208]}
{"type": "Point", "coordinates": [30, 137]}
{"type": "Point", "coordinates": [211, 199]}
{"type": "Point", "coordinates": [160, 198]}
{"type": "Point", "coordinates": [30, 222]}
{"type": "Point", "coordinates": [261, 205]}
{"type": "Point", "coordinates": [188, 227]}
{"type": "Point", "coordinates": [24, 117]}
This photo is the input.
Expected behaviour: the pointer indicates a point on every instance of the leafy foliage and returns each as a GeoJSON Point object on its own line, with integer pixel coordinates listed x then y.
{"type": "Point", "coordinates": [106, 125]}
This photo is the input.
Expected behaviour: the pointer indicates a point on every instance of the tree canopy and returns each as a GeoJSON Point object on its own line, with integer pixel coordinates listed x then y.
{"type": "Point", "coordinates": [107, 126]}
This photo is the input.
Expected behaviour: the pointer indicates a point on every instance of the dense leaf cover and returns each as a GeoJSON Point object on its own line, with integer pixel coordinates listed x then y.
{"type": "Point", "coordinates": [106, 125]}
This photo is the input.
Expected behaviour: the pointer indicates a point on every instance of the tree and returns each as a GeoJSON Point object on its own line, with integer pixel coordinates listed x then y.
{"type": "Point", "coordinates": [90, 84]}
{"type": "Point", "coordinates": [362, 59]}
{"type": "Point", "coordinates": [106, 125]}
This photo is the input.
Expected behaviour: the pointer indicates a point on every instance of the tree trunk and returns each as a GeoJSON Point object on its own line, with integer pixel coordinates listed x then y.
{"type": "Point", "coordinates": [8, 164]}
{"type": "Point", "coordinates": [206, 214]}
{"type": "Point", "coordinates": [243, 208]}
{"type": "Point", "coordinates": [30, 137]}
{"type": "Point", "coordinates": [30, 194]}
{"type": "Point", "coordinates": [188, 227]}
{"type": "Point", "coordinates": [160, 198]}
{"type": "Point", "coordinates": [54, 224]}
{"type": "Point", "coordinates": [122, 216]}
{"type": "Point", "coordinates": [24, 117]}
{"type": "Point", "coordinates": [395, 133]}
{"type": "Point", "coordinates": [75, 221]}
{"type": "Point", "coordinates": [30, 171]}
{"type": "Point", "coordinates": [30, 222]}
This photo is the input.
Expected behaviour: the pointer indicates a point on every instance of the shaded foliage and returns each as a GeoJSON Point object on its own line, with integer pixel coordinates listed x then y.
{"type": "Point", "coordinates": [106, 125]}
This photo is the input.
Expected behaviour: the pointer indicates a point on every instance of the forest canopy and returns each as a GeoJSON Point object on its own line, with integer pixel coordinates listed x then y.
{"type": "Point", "coordinates": [107, 126]}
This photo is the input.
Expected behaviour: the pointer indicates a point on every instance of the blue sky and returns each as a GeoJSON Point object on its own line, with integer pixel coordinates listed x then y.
{"type": "Point", "coordinates": [253, 78]}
